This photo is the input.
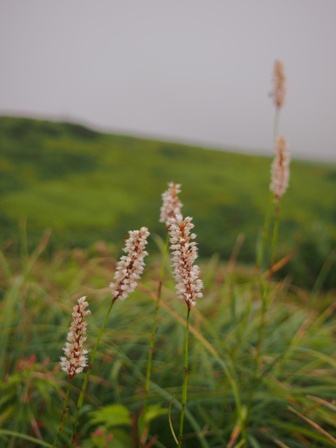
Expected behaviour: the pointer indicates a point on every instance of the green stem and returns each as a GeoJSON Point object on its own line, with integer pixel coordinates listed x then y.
{"type": "Point", "coordinates": [265, 233]}
{"type": "Point", "coordinates": [276, 126]}
{"type": "Point", "coordinates": [64, 411]}
{"type": "Point", "coordinates": [275, 233]}
{"type": "Point", "coordinates": [185, 379]}
{"type": "Point", "coordinates": [88, 372]}
{"type": "Point", "coordinates": [261, 328]}
{"type": "Point", "coordinates": [154, 325]}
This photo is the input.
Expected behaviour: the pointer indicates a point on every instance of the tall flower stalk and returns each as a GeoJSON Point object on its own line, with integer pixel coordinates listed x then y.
{"type": "Point", "coordinates": [278, 95]}
{"type": "Point", "coordinates": [128, 270]}
{"type": "Point", "coordinates": [171, 207]}
{"type": "Point", "coordinates": [75, 359]}
{"type": "Point", "coordinates": [278, 186]}
{"type": "Point", "coordinates": [188, 288]}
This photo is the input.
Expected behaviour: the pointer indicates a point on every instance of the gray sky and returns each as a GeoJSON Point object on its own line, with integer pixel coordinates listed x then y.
{"type": "Point", "coordinates": [186, 70]}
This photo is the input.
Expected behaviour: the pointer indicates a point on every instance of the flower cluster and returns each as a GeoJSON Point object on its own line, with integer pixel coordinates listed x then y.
{"type": "Point", "coordinates": [279, 85]}
{"type": "Point", "coordinates": [130, 266]}
{"type": "Point", "coordinates": [75, 358]}
{"type": "Point", "coordinates": [280, 169]}
{"type": "Point", "coordinates": [184, 253]}
{"type": "Point", "coordinates": [171, 206]}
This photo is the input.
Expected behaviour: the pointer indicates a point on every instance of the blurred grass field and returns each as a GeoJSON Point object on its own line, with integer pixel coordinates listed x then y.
{"type": "Point", "coordinates": [88, 186]}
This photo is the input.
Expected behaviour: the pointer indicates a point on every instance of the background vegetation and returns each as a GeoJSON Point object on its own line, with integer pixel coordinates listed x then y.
{"type": "Point", "coordinates": [88, 186]}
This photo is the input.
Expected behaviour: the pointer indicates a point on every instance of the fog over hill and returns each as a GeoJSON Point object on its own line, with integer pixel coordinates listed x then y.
{"type": "Point", "coordinates": [189, 71]}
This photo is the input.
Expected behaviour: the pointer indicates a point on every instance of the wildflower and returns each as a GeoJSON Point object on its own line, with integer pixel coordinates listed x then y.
{"type": "Point", "coordinates": [279, 85]}
{"type": "Point", "coordinates": [75, 358]}
{"type": "Point", "coordinates": [172, 205]}
{"type": "Point", "coordinates": [130, 266]}
{"type": "Point", "coordinates": [280, 169]}
{"type": "Point", "coordinates": [184, 253]}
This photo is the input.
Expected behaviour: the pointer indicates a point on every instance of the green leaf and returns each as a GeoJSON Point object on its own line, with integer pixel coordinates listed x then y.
{"type": "Point", "coordinates": [150, 413]}
{"type": "Point", "coordinates": [112, 415]}
{"type": "Point", "coordinates": [153, 411]}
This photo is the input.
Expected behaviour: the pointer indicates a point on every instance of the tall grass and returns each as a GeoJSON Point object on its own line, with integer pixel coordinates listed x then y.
{"type": "Point", "coordinates": [293, 383]}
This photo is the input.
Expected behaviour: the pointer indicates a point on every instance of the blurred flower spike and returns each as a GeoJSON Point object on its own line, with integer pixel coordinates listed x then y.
{"type": "Point", "coordinates": [171, 204]}
{"type": "Point", "coordinates": [279, 85]}
{"type": "Point", "coordinates": [280, 169]}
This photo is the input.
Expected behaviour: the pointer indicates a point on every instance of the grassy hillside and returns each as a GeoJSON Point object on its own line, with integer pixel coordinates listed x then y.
{"type": "Point", "coordinates": [86, 186]}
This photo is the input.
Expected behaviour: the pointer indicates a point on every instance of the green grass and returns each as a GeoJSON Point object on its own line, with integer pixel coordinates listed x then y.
{"type": "Point", "coordinates": [246, 388]}
{"type": "Point", "coordinates": [67, 177]}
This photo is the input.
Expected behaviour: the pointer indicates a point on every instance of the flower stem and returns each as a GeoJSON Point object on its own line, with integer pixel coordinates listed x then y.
{"type": "Point", "coordinates": [88, 373]}
{"type": "Point", "coordinates": [265, 234]}
{"type": "Point", "coordinates": [154, 325]}
{"type": "Point", "coordinates": [64, 411]}
{"type": "Point", "coordinates": [276, 125]}
{"type": "Point", "coordinates": [185, 379]}
{"type": "Point", "coordinates": [275, 233]}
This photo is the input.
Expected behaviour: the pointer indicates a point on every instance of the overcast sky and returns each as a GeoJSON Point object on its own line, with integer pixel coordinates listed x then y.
{"type": "Point", "coordinates": [185, 70]}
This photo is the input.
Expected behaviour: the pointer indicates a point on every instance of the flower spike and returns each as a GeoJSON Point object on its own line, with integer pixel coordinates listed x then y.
{"type": "Point", "coordinates": [171, 206]}
{"type": "Point", "coordinates": [75, 359]}
{"type": "Point", "coordinates": [280, 169]}
{"type": "Point", "coordinates": [130, 266]}
{"type": "Point", "coordinates": [279, 85]}
{"type": "Point", "coordinates": [184, 253]}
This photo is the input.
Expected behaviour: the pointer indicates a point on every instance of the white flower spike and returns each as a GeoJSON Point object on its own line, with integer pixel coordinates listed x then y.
{"type": "Point", "coordinates": [75, 359]}
{"type": "Point", "coordinates": [171, 205]}
{"type": "Point", "coordinates": [184, 253]}
{"type": "Point", "coordinates": [130, 266]}
{"type": "Point", "coordinates": [280, 169]}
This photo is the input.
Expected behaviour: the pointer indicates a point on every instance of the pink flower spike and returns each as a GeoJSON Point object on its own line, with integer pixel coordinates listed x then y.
{"type": "Point", "coordinates": [130, 266]}
{"type": "Point", "coordinates": [280, 169]}
{"type": "Point", "coordinates": [171, 206]}
{"type": "Point", "coordinates": [75, 358]}
{"type": "Point", "coordinates": [184, 253]}
{"type": "Point", "coordinates": [279, 85]}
